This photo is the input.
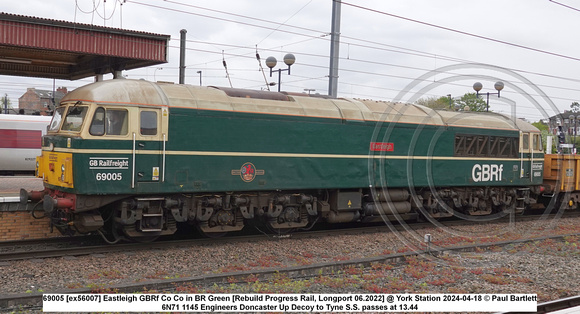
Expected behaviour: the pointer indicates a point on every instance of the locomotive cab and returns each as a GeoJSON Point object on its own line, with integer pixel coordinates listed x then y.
{"type": "Point", "coordinates": [95, 154]}
{"type": "Point", "coordinates": [94, 133]}
{"type": "Point", "coordinates": [531, 156]}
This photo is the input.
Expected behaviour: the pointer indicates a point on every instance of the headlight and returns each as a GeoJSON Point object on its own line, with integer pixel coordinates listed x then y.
{"type": "Point", "coordinates": [62, 168]}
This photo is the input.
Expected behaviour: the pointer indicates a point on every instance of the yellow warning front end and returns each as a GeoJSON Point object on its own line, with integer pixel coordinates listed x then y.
{"type": "Point", "coordinates": [55, 168]}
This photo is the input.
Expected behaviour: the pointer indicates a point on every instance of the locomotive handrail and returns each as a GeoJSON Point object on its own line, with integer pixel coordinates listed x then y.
{"type": "Point", "coordinates": [133, 166]}
{"type": "Point", "coordinates": [521, 165]}
{"type": "Point", "coordinates": [163, 164]}
{"type": "Point", "coordinates": [522, 172]}
{"type": "Point", "coordinates": [532, 160]}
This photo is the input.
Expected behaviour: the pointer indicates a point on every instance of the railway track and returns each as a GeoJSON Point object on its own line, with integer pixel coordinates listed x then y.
{"type": "Point", "coordinates": [58, 241]}
{"type": "Point", "coordinates": [33, 253]}
{"type": "Point", "coordinates": [79, 246]}
{"type": "Point", "coordinates": [556, 305]}
{"type": "Point", "coordinates": [34, 300]}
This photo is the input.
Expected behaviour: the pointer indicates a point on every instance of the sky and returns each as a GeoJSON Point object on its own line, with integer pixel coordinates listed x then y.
{"type": "Point", "coordinates": [390, 50]}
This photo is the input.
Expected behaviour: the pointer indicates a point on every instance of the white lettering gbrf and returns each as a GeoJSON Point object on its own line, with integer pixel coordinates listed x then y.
{"type": "Point", "coordinates": [486, 173]}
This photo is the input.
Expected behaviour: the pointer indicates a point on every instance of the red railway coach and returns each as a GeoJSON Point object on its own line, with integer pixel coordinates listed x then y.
{"type": "Point", "coordinates": [20, 142]}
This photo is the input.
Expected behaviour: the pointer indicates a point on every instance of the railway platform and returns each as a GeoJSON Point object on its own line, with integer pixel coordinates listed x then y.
{"type": "Point", "coordinates": [16, 221]}
{"type": "Point", "coordinates": [10, 191]}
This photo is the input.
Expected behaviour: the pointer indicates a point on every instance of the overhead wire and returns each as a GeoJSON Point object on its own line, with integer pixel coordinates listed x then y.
{"type": "Point", "coordinates": [381, 75]}
{"type": "Point", "coordinates": [83, 11]}
{"type": "Point", "coordinates": [215, 17]}
{"type": "Point", "coordinates": [412, 78]}
{"type": "Point", "coordinates": [353, 5]}
{"type": "Point", "coordinates": [420, 53]}
{"type": "Point", "coordinates": [240, 15]}
{"type": "Point", "coordinates": [226, 67]}
{"type": "Point", "coordinates": [262, 68]}
{"type": "Point", "coordinates": [283, 23]}
{"type": "Point", "coordinates": [277, 29]}
{"type": "Point", "coordinates": [566, 6]}
{"type": "Point", "coordinates": [405, 50]}
{"type": "Point", "coordinates": [462, 32]}
{"type": "Point", "coordinates": [368, 62]}
{"type": "Point", "coordinates": [95, 9]}
{"type": "Point", "coordinates": [371, 10]}
{"type": "Point", "coordinates": [324, 34]}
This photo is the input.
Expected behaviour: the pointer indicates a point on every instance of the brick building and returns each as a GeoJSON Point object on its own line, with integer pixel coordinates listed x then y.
{"type": "Point", "coordinates": [36, 101]}
{"type": "Point", "coordinates": [569, 126]}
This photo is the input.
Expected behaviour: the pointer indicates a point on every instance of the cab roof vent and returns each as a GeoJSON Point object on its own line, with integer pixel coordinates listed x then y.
{"type": "Point", "coordinates": [248, 93]}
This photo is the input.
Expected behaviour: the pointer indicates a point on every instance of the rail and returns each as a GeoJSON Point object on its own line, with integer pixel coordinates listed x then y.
{"type": "Point", "coordinates": [555, 305]}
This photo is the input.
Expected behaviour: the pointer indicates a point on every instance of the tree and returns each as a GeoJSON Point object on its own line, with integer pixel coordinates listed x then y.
{"type": "Point", "coordinates": [545, 129]}
{"type": "Point", "coordinates": [575, 107]}
{"type": "Point", "coordinates": [442, 102]}
{"type": "Point", "coordinates": [541, 126]}
{"type": "Point", "coordinates": [472, 101]}
{"type": "Point", "coordinates": [5, 107]}
{"type": "Point", "coordinates": [445, 102]}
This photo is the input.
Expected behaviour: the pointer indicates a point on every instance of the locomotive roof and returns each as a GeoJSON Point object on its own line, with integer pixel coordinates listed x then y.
{"type": "Point", "coordinates": [141, 92]}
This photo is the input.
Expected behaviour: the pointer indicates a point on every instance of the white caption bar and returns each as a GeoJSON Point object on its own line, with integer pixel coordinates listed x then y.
{"type": "Point", "coordinates": [289, 302]}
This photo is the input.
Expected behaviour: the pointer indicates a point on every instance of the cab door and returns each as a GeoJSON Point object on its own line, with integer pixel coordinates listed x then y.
{"type": "Point", "coordinates": [149, 145]}
{"type": "Point", "coordinates": [525, 155]}
{"type": "Point", "coordinates": [537, 160]}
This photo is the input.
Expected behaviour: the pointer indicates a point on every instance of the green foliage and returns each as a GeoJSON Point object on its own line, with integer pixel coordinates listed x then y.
{"type": "Point", "coordinates": [443, 102]}
{"type": "Point", "coordinates": [5, 98]}
{"type": "Point", "coordinates": [575, 106]}
{"type": "Point", "coordinates": [541, 126]}
{"type": "Point", "coordinates": [473, 102]}
{"type": "Point", "coordinates": [545, 129]}
{"type": "Point", "coordinates": [545, 135]}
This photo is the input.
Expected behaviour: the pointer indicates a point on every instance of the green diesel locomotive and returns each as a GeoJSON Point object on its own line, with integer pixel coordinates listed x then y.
{"type": "Point", "coordinates": [132, 158]}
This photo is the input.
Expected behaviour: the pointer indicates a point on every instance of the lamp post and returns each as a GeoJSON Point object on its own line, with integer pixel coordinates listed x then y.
{"type": "Point", "coordinates": [271, 62]}
{"type": "Point", "coordinates": [199, 72]}
{"type": "Point", "coordinates": [155, 73]}
{"type": "Point", "coordinates": [575, 119]}
{"type": "Point", "coordinates": [449, 96]}
{"type": "Point", "coordinates": [477, 86]}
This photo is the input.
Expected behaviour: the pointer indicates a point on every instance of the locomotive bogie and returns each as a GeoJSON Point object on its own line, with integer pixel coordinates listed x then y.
{"type": "Point", "coordinates": [477, 201]}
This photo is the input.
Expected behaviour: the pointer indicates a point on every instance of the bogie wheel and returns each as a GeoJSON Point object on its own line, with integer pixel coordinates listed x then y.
{"type": "Point", "coordinates": [145, 239]}
{"type": "Point", "coordinates": [206, 233]}
{"type": "Point", "coordinates": [274, 228]}
{"type": "Point", "coordinates": [280, 231]}
{"type": "Point", "coordinates": [129, 233]}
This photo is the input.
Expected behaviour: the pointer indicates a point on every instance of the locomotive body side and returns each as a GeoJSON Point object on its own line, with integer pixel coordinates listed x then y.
{"type": "Point", "coordinates": [218, 158]}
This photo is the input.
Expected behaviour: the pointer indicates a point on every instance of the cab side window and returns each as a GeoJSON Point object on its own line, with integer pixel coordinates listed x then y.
{"type": "Point", "coordinates": [109, 121]}
{"type": "Point", "coordinates": [537, 143]}
{"type": "Point", "coordinates": [148, 123]}
{"type": "Point", "coordinates": [525, 141]}
{"type": "Point", "coordinates": [98, 124]}
{"type": "Point", "coordinates": [116, 121]}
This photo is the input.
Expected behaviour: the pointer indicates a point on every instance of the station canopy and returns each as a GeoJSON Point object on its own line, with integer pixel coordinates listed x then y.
{"type": "Point", "coordinates": [38, 47]}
